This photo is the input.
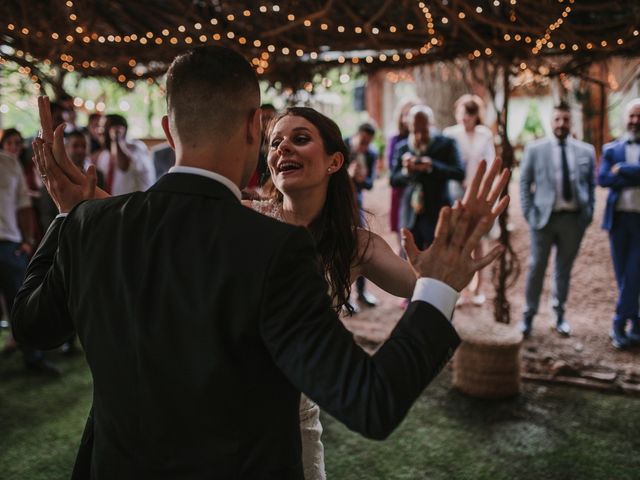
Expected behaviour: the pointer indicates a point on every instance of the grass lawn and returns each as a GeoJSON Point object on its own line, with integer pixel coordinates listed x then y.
{"type": "Point", "coordinates": [546, 433]}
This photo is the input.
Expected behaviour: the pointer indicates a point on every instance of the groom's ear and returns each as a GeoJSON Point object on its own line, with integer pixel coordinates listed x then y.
{"type": "Point", "coordinates": [167, 132]}
{"type": "Point", "coordinates": [254, 126]}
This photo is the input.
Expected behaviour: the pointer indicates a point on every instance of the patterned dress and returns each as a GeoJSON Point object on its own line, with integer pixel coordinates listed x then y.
{"type": "Point", "coordinates": [310, 427]}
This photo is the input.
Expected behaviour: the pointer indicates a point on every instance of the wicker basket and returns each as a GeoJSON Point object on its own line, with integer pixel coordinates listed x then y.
{"type": "Point", "coordinates": [487, 362]}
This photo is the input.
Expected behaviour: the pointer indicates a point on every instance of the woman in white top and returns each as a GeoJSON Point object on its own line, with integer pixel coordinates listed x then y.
{"type": "Point", "coordinates": [475, 142]}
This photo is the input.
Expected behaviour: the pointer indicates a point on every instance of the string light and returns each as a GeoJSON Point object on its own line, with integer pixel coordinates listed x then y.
{"type": "Point", "coordinates": [432, 40]}
{"type": "Point", "coordinates": [553, 26]}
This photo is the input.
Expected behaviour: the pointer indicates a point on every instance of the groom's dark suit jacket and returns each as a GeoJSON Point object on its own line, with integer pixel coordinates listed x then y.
{"type": "Point", "coordinates": [200, 339]}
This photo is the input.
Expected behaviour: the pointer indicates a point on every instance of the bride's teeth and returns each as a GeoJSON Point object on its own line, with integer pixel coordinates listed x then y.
{"type": "Point", "coordinates": [289, 166]}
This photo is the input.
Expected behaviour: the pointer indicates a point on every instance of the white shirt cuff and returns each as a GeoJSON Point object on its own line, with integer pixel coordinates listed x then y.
{"type": "Point", "coordinates": [61, 215]}
{"type": "Point", "coordinates": [436, 293]}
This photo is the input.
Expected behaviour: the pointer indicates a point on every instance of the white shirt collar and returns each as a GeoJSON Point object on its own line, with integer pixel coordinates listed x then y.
{"type": "Point", "coordinates": [209, 174]}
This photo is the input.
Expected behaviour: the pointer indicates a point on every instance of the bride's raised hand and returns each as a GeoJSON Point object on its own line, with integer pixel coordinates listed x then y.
{"type": "Point", "coordinates": [449, 258]}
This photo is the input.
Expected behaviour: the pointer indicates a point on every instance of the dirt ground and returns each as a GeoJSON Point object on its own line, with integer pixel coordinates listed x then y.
{"type": "Point", "coordinates": [586, 358]}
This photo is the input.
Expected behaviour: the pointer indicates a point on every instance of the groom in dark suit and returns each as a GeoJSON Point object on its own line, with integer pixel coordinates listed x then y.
{"type": "Point", "coordinates": [198, 365]}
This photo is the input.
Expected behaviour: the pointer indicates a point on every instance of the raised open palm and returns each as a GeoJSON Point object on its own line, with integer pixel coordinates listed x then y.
{"type": "Point", "coordinates": [67, 184]}
{"type": "Point", "coordinates": [481, 198]}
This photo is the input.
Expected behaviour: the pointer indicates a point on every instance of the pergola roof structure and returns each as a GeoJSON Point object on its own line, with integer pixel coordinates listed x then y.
{"type": "Point", "coordinates": [289, 40]}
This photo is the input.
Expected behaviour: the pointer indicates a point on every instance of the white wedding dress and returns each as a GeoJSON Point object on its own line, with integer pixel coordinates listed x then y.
{"type": "Point", "coordinates": [310, 427]}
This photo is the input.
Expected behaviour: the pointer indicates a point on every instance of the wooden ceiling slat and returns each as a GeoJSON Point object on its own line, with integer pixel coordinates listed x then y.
{"type": "Point", "coordinates": [590, 21]}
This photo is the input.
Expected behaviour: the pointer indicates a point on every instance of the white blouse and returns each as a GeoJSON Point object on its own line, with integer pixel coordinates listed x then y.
{"type": "Point", "coordinates": [475, 146]}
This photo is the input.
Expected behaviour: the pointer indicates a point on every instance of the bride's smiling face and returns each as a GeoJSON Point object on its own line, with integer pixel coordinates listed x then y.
{"type": "Point", "coordinates": [297, 158]}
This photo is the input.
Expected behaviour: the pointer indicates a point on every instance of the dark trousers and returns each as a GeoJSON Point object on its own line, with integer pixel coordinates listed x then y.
{"type": "Point", "coordinates": [361, 281]}
{"type": "Point", "coordinates": [624, 238]}
{"type": "Point", "coordinates": [13, 266]}
{"type": "Point", "coordinates": [565, 232]}
{"type": "Point", "coordinates": [424, 230]}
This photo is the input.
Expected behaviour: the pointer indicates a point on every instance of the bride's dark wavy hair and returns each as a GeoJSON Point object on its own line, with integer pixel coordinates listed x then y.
{"type": "Point", "coordinates": [335, 228]}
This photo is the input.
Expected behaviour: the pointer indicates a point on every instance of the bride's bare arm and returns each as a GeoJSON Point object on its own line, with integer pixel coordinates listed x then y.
{"type": "Point", "coordinates": [382, 266]}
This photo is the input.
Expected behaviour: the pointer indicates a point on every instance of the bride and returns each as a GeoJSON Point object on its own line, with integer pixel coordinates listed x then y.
{"type": "Point", "coordinates": [306, 159]}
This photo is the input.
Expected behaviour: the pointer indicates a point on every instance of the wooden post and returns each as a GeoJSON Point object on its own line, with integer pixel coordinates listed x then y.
{"type": "Point", "coordinates": [373, 97]}
{"type": "Point", "coordinates": [506, 270]}
{"type": "Point", "coordinates": [594, 106]}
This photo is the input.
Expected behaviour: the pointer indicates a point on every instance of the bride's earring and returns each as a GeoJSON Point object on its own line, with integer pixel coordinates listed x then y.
{"type": "Point", "coordinates": [329, 169]}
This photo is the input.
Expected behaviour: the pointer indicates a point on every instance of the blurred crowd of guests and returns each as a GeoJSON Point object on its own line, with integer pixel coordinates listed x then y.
{"type": "Point", "coordinates": [427, 169]}
{"type": "Point", "coordinates": [557, 195]}
{"type": "Point", "coordinates": [123, 165]}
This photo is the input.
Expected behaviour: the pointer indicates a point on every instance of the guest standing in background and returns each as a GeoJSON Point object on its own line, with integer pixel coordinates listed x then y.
{"type": "Point", "coordinates": [12, 144]}
{"type": "Point", "coordinates": [362, 169]}
{"type": "Point", "coordinates": [16, 246]}
{"type": "Point", "coordinates": [424, 164]}
{"type": "Point", "coordinates": [557, 198]}
{"type": "Point", "coordinates": [94, 130]}
{"type": "Point", "coordinates": [474, 140]}
{"type": "Point", "coordinates": [475, 143]}
{"type": "Point", "coordinates": [66, 101]}
{"type": "Point", "coordinates": [126, 164]}
{"type": "Point", "coordinates": [392, 143]}
{"type": "Point", "coordinates": [620, 172]}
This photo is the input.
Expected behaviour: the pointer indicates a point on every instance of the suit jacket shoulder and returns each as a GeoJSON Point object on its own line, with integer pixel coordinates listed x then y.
{"type": "Point", "coordinates": [581, 145]}
{"type": "Point", "coordinates": [441, 140]}
{"type": "Point", "coordinates": [612, 144]}
{"type": "Point", "coordinates": [537, 144]}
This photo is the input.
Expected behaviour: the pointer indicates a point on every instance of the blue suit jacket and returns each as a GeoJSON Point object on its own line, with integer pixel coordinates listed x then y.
{"type": "Point", "coordinates": [627, 176]}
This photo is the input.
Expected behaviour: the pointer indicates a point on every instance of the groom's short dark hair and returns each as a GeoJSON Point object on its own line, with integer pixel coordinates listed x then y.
{"type": "Point", "coordinates": [210, 91]}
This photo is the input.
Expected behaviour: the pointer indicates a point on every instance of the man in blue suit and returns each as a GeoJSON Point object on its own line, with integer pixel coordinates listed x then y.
{"type": "Point", "coordinates": [557, 198]}
{"type": "Point", "coordinates": [620, 172]}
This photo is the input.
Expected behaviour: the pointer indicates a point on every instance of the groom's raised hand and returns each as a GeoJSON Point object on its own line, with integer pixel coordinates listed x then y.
{"type": "Point", "coordinates": [449, 258]}
{"type": "Point", "coordinates": [65, 192]}
{"type": "Point", "coordinates": [67, 184]}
